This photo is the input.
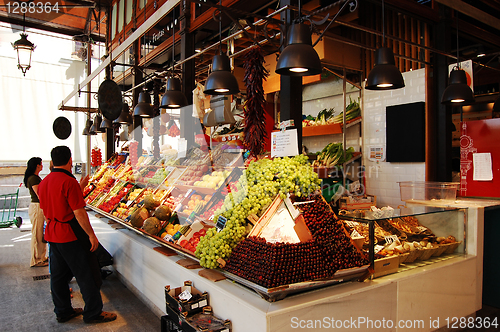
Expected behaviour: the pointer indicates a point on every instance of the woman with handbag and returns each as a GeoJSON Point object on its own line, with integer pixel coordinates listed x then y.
{"type": "Point", "coordinates": [31, 181]}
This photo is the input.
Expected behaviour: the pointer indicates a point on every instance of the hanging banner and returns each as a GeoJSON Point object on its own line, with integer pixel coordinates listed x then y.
{"type": "Point", "coordinates": [467, 67]}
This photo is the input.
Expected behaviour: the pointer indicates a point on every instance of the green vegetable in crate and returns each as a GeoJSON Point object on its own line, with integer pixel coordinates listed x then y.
{"type": "Point", "coordinates": [333, 154]}
{"type": "Point", "coordinates": [352, 111]}
{"type": "Point", "coordinates": [163, 212]}
{"type": "Point", "coordinates": [152, 225]}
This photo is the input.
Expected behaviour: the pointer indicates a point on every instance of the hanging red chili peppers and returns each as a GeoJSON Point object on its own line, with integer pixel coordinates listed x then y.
{"type": "Point", "coordinates": [96, 157]}
{"type": "Point", "coordinates": [255, 126]}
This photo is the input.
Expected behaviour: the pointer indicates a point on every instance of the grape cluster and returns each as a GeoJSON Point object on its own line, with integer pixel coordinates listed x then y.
{"type": "Point", "coordinates": [256, 188]}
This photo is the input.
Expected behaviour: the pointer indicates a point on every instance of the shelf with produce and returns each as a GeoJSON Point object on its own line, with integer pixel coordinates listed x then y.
{"type": "Point", "coordinates": [328, 129]}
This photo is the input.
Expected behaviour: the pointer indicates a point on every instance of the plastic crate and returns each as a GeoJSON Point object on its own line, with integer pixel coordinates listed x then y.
{"type": "Point", "coordinates": [169, 325]}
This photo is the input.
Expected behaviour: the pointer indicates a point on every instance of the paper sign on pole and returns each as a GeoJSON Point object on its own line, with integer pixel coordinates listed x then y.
{"type": "Point", "coordinates": [284, 143]}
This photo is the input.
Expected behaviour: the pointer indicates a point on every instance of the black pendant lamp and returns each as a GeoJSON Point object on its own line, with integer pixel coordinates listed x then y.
{"type": "Point", "coordinates": [125, 116]}
{"type": "Point", "coordinates": [384, 75]}
{"type": "Point", "coordinates": [144, 107]}
{"type": "Point", "coordinates": [86, 130]}
{"type": "Point", "coordinates": [173, 97]}
{"type": "Point", "coordinates": [299, 58]}
{"type": "Point", "coordinates": [96, 126]}
{"type": "Point", "coordinates": [458, 91]}
{"type": "Point", "coordinates": [221, 81]}
{"type": "Point", "coordinates": [106, 124]}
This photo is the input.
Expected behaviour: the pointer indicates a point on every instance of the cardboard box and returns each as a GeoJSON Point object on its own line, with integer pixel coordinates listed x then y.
{"type": "Point", "coordinates": [300, 226]}
{"type": "Point", "coordinates": [185, 307]}
{"type": "Point", "coordinates": [385, 266]}
{"type": "Point", "coordinates": [354, 203]}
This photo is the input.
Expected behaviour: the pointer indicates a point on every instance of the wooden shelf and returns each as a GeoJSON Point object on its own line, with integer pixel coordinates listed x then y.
{"type": "Point", "coordinates": [330, 129]}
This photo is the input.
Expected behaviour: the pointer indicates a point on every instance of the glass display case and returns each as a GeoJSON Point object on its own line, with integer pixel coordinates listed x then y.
{"type": "Point", "coordinates": [417, 235]}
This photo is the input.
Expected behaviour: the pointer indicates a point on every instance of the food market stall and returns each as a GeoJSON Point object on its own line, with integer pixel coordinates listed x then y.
{"type": "Point", "coordinates": [146, 257]}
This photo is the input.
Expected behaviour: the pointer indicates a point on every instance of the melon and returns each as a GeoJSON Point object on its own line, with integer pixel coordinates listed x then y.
{"type": "Point", "coordinates": [152, 225]}
{"type": "Point", "coordinates": [138, 217]}
{"type": "Point", "coordinates": [150, 202]}
{"type": "Point", "coordinates": [163, 213]}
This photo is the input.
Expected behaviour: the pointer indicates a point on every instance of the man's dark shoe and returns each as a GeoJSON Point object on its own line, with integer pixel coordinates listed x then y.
{"type": "Point", "coordinates": [102, 318]}
{"type": "Point", "coordinates": [76, 312]}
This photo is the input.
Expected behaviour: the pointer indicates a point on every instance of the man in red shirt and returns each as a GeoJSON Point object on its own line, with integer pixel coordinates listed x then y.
{"type": "Point", "coordinates": [72, 242]}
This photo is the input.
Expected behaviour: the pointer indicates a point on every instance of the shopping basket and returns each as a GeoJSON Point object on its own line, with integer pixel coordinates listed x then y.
{"type": "Point", "coordinates": [8, 208]}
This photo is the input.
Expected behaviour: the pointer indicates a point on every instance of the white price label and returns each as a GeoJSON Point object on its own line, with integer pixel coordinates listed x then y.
{"type": "Point", "coordinates": [355, 234]}
{"type": "Point", "coordinates": [377, 248]}
{"type": "Point", "coordinates": [351, 223]}
{"type": "Point", "coordinates": [391, 238]}
{"type": "Point", "coordinates": [186, 295]}
{"type": "Point", "coordinates": [421, 228]}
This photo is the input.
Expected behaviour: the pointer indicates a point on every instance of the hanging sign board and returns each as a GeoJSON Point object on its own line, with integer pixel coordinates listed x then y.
{"type": "Point", "coordinates": [284, 143]}
{"type": "Point", "coordinates": [467, 67]}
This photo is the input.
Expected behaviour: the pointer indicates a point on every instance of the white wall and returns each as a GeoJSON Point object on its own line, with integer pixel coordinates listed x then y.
{"type": "Point", "coordinates": [382, 177]}
{"type": "Point", "coordinates": [29, 104]}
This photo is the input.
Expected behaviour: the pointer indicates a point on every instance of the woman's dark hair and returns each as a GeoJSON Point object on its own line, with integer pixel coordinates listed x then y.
{"type": "Point", "coordinates": [60, 155]}
{"type": "Point", "coordinates": [31, 168]}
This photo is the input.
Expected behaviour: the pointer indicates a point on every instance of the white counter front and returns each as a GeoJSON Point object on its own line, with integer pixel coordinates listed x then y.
{"type": "Point", "coordinates": [422, 298]}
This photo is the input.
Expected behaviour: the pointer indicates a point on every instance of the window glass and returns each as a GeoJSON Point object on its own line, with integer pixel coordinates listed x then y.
{"type": "Point", "coordinates": [128, 11]}
{"type": "Point", "coordinates": [141, 3]}
{"type": "Point", "coordinates": [121, 14]}
{"type": "Point", "coordinates": [113, 21]}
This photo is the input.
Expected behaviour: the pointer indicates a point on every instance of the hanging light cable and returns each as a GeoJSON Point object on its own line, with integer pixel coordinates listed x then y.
{"type": "Point", "coordinates": [173, 96]}
{"type": "Point", "coordinates": [384, 75]}
{"type": "Point", "coordinates": [221, 81]}
{"type": "Point", "coordinates": [458, 91]}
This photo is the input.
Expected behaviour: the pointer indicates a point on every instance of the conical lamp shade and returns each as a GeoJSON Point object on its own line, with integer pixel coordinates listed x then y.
{"type": "Point", "coordinates": [144, 107]}
{"type": "Point", "coordinates": [457, 92]}
{"type": "Point", "coordinates": [106, 124]}
{"type": "Point", "coordinates": [221, 81]}
{"type": "Point", "coordinates": [125, 116]}
{"type": "Point", "coordinates": [97, 124]}
{"type": "Point", "coordinates": [173, 97]}
{"type": "Point", "coordinates": [385, 75]}
{"type": "Point", "coordinates": [86, 130]}
{"type": "Point", "coordinates": [299, 58]}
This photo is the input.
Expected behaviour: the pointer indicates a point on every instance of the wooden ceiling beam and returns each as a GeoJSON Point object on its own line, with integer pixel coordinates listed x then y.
{"type": "Point", "coordinates": [472, 11]}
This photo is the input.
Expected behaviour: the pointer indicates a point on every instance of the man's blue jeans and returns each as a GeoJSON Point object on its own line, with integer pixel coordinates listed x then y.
{"type": "Point", "coordinates": [67, 260]}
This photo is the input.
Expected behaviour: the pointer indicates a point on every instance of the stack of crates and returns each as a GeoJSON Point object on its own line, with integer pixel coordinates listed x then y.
{"type": "Point", "coordinates": [188, 311]}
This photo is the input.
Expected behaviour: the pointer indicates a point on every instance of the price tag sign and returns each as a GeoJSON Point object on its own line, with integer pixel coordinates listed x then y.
{"type": "Point", "coordinates": [284, 144]}
{"type": "Point", "coordinates": [129, 203]}
{"type": "Point", "coordinates": [221, 223]}
{"type": "Point", "coordinates": [421, 228]}
{"type": "Point", "coordinates": [355, 234]}
{"type": "Point", "coordinates": [351, 224]}
{"type": "Point", "coordinates": [377, 248]}
{"type": "Point", "coordinates": [391, 238]}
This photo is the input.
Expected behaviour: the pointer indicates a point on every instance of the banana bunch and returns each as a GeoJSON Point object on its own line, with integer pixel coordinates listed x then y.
{"type": "Point", "coordinates": [333, 154]}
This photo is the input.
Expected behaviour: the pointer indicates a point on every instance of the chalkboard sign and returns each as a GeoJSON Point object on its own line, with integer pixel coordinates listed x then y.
{"type": "Point", "coordinates": [405, 133]}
